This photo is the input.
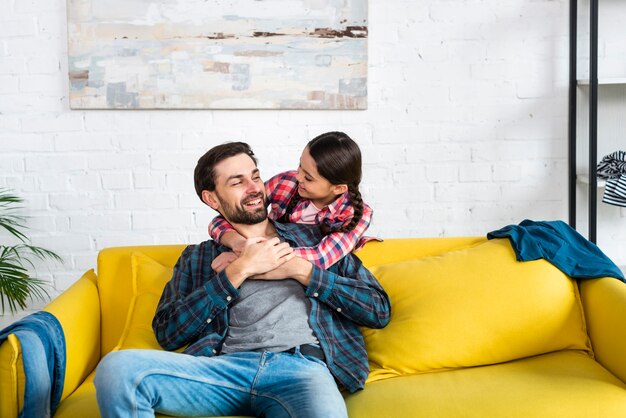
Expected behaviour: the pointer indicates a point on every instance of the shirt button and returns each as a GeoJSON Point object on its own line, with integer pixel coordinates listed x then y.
{"type": "Point", "coordinates": [338, 309]}
{"type": "Point", "coordinates": [315, 294]}
{"type": "Point", "coordinates": [228, 298]}
{"type": "Point", "coordinates": [208, 321]}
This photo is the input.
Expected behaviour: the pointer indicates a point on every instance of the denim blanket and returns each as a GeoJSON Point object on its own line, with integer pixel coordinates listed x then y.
{"type": "Point", "coordinates": [561, 245]}
{"type": "Point", "coordinates": [43, 353]}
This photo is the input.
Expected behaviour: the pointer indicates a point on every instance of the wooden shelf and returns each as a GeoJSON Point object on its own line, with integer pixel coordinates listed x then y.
{"type": "Point", "coordinates": [604, 81]}
{"type": "Point", "coordinates": [584, 179]}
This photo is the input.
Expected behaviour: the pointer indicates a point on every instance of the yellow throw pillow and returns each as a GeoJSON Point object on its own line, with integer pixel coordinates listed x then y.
{"type": "Point", "coordinates": [149, 280]}
{"type": "Point", "coordinates": [473, 307]}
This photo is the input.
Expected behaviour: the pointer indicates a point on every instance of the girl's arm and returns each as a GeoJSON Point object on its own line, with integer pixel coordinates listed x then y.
{"type": "Point", "coordinates": [336, 245]}
{"type": "Point", "coordinates": [279, 190]}
{"type": "Point", "coordinates": [222, 231]}
{"type": "Point", "coordinates": [332, 248]}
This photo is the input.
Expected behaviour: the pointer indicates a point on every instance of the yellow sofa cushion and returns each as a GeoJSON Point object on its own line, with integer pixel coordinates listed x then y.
{"type": "Point", "coordinates": [561, 384]}
{"type": "Point", "coordinates": [473, 307]}
{"type": "Point", "coordinates": [149, 278]}
{"type": "Point", "coordinates": [115, 287]}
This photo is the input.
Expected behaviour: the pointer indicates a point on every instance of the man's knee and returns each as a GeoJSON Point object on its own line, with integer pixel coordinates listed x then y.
{"type": "Point", "coordinates": [113, 370]}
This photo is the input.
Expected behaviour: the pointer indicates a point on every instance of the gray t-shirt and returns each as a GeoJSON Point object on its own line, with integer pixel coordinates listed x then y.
{"type": "Point", "coordinates": [270, 315]}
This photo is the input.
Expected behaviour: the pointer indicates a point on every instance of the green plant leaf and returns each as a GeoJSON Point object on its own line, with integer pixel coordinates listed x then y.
{"type": "Point", "coordinates": [17, 285]}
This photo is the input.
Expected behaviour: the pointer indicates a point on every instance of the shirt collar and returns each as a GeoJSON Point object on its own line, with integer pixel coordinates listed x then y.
{"type": "Point", "coordinates": [338, 204]}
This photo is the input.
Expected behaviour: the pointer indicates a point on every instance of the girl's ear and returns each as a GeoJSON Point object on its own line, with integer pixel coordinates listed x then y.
{"type": "Point", "coordinates": [339, 189]}
{"type": "Point", "coordinates": [210, 199]}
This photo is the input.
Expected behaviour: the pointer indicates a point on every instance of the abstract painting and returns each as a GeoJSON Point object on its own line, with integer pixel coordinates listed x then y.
{"type": "Point", "coordinates": [216, 54]}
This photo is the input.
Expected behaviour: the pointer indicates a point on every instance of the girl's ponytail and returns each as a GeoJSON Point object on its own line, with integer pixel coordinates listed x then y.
{"type": "Point", "coordinates": [357, 202]}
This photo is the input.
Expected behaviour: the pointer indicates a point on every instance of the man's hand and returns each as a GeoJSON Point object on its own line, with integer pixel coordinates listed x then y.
{"type": "Point", "coordinates": [222, 261]}
{"type": "Point", "coordinates": [297, 268]}
{"type": "Point", "coordinates": [259, 255]}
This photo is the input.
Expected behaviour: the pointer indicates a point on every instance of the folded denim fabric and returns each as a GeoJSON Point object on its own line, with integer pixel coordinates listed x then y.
{"type": "Point", "coordinates": [561, 245]}
{"type": "Point", "coordinates": [43, 354]}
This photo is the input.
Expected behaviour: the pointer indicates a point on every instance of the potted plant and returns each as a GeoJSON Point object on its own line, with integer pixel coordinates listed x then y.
{"type": "Point", "coordinates": [17, 285]}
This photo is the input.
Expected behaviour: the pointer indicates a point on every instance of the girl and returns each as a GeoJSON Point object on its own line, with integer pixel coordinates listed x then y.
{"type": "Point", "coordinates": [324, 191]}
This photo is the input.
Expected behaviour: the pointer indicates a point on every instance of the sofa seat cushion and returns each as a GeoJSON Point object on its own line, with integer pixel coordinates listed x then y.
{"type": "Point", "coordinates": [560, 384]}
{"type": "Point", "coordinates": [81, 403]}
{"type": "Point", "coordinates": [473, 307]}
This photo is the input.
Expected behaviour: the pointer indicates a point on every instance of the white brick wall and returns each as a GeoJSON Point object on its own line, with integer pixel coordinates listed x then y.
{"type": "Point", "coordinates": [465, 132]}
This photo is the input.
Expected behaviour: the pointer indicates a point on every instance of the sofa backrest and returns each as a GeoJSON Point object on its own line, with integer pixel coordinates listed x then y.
{"type": "Point", "coordinates": [115, 273]}
{"type": "Point", "coordinates": [115, 285]}
{"type": "Point", "coordinates": [473, 307]}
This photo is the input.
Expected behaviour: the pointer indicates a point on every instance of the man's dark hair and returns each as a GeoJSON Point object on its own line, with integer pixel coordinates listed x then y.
{"type": "Point", "coordinates": [204, 174]}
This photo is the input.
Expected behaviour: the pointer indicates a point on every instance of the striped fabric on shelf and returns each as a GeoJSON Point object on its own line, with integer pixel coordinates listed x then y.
{"type": "Point", "coordinates": [612, 168]}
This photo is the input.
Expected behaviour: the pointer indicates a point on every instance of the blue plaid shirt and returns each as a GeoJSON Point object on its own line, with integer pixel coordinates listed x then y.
{"type": "Point", "coordinates": [193, 309]}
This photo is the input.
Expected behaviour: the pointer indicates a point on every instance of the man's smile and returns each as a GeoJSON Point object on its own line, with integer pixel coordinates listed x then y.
{"type": "Point", "coordinates": [253, 202]}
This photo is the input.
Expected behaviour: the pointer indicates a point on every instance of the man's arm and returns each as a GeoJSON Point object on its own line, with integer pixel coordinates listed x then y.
{"type": "Point", "coordinates": [352, 292]}
{"type": "Point", "coordinates": [192, 298]}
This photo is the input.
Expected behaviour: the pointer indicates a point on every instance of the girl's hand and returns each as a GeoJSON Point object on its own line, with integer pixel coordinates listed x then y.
{"type": "Point", "coordinates": [234, 241]}
{"type": "Point", "coordinates": [222, 261]}
{"type": "Point", "coordinates": [238, 245]}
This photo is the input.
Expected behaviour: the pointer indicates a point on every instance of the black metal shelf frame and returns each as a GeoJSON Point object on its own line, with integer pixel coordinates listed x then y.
{"type": "Point", "coordinates": [593, 115]}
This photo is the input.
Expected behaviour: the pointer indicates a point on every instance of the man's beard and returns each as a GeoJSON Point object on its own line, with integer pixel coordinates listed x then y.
{"type": "Point", "coordinates": [238, 215]}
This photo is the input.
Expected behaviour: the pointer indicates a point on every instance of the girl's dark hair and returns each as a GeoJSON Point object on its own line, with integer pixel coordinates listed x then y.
{"type": "Point", "coordinates": [338, 160]}
{"type": "Point", "coordinates": [204, 174]}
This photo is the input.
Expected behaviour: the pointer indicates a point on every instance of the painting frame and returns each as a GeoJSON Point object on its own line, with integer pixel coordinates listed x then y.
{"type": "Point", "coordinates": [196, 54]}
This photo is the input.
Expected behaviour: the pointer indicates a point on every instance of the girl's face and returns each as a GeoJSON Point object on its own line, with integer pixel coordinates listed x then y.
{"type": "Point", "coordinates": [313, 186]}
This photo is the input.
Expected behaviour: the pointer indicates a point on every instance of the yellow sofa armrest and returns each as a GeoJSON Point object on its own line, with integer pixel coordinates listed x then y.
{"type": "Point", "coordinates": [11, 378]}
{"type": "Point", "coordinates": [78, 311]}
{"type": "Point", "coordinates": [604, 303]}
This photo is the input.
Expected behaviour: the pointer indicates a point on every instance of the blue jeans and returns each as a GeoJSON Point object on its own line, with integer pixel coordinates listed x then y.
{"type": "Point", "coordinates": [136, 383]}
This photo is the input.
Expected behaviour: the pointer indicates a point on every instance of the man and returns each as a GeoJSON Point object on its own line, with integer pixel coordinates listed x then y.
{"type": "Point", "coordinates": [270, 335]}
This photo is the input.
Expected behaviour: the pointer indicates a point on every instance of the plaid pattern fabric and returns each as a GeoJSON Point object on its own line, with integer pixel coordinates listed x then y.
{"type": "Point", "coordinates": [193, 309]}
{"type": "Point", "coordinates": [280, 189]}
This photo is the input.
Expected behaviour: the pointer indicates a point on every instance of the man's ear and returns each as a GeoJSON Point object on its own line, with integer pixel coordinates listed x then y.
{"type": "Point", "coordinates": [210, 199]}
{"type": "Point", "coordinates": [340, 189]}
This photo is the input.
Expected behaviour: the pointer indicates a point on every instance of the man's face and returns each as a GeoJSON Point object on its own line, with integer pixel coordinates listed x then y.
{"type": "Point", "coordinates": [239, 193]}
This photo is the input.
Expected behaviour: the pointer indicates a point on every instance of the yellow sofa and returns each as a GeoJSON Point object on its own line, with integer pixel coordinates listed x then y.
{"type": "Point", "coordinates": [473, 333]}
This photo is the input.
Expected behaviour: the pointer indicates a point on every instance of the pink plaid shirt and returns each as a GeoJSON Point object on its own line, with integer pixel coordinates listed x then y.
{"type": "Point", "coordinates": [334, 246]}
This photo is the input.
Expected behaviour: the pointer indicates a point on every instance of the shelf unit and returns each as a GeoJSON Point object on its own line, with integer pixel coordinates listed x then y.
{"type": "Point", "coordinates": [613, 90]}
{"type": "Point", "coordinates": [592, 83]}
{"type": "Point", "coordinates": [604, 81]}
{"type": "Point", "coordinates": [584, 179]}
